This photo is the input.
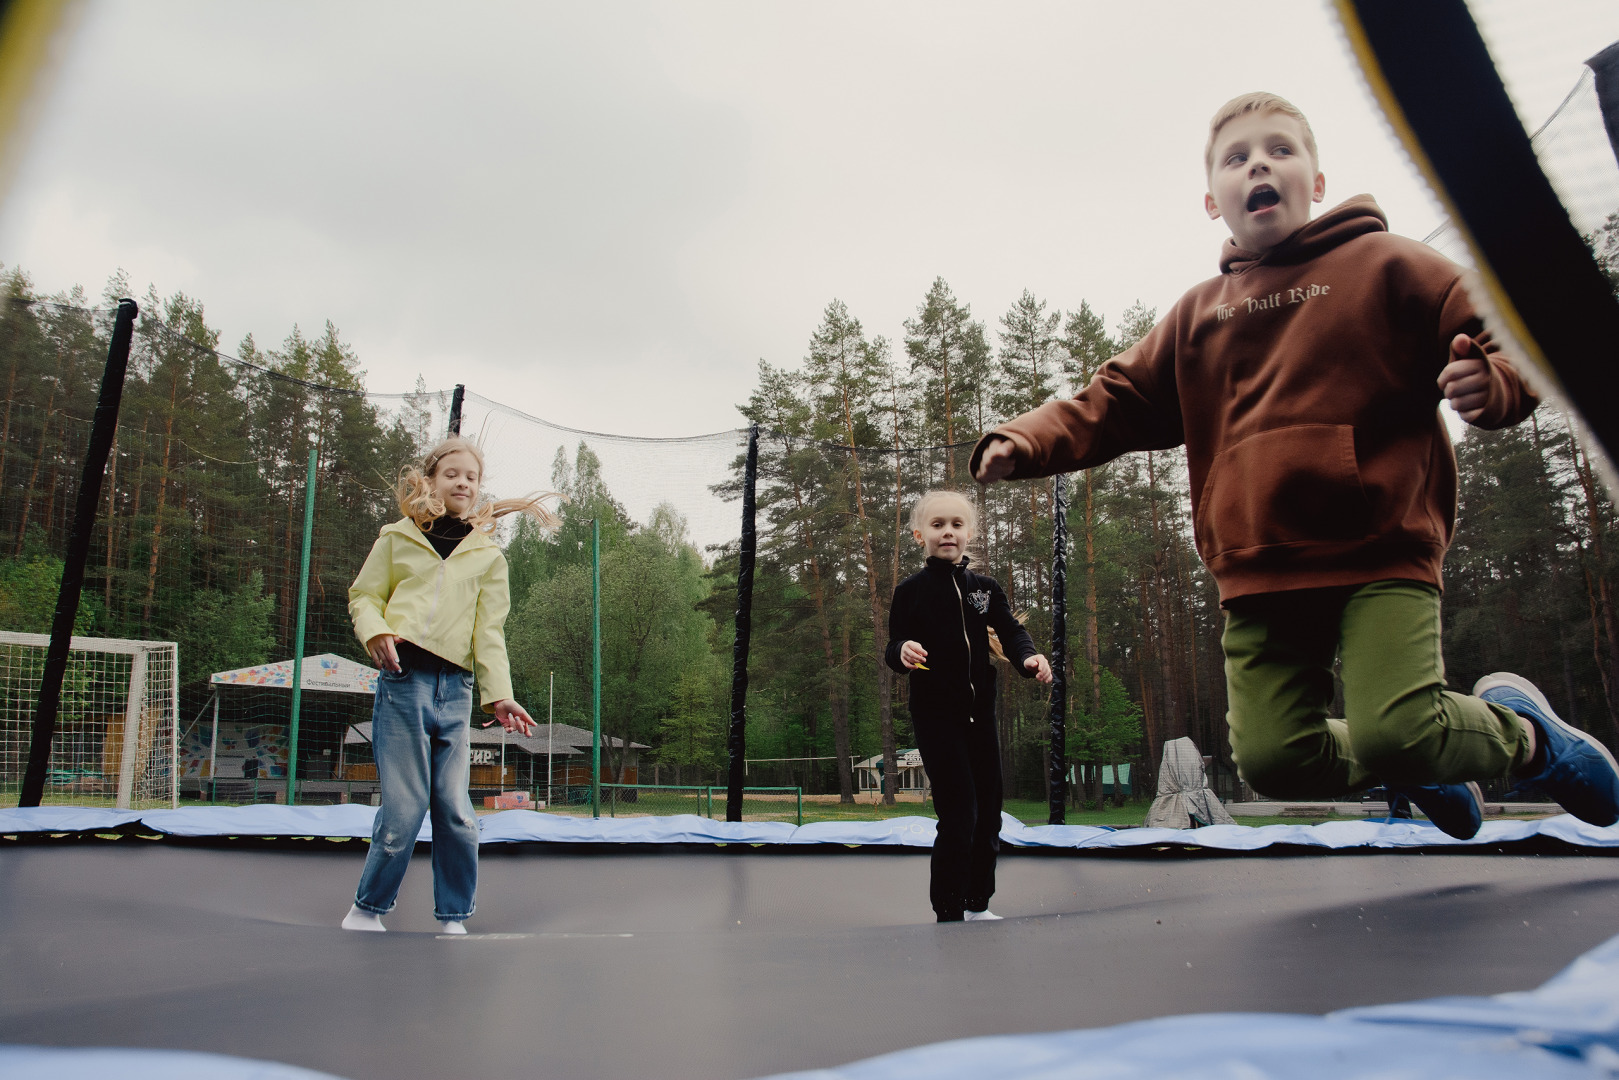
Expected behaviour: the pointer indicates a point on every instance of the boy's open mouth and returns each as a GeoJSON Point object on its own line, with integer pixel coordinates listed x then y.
{"type": "Point", "coordinates": [1262, 197]}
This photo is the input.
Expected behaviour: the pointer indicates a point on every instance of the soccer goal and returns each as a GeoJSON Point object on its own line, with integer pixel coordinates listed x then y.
{"type": "Point", "coordinates": [115, 730]}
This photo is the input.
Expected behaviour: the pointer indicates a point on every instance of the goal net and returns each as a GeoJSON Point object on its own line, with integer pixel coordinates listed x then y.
{"type": "Point", "coordinates": [115, 729]}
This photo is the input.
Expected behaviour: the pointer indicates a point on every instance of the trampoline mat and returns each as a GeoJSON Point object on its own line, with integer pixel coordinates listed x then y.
{"type": "Point", "coordinates": [742, 963]}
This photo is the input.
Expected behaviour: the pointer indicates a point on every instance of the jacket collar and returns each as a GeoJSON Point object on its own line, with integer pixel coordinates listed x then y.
{"type": "Point", "coordinates": [937, 565]}
{"type": "Point", "coordinates": [408, 528]}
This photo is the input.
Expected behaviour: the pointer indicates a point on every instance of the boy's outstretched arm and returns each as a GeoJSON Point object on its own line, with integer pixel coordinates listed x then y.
{"type": "Point", "coordinates": [996, 462]}
{"type": "Point", "coordinates": [1465, 380]}
{"type": "Point", "coordinates": [1132, 403]}
{"type": "Point", "coordinates": [1482, 386]}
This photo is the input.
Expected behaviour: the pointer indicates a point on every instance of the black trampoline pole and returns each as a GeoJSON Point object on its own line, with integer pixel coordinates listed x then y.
{"type": "Point", "coordinates": [456, 399]}
{"type": "Point", "coordinates": [1605, 67]}
{"type": "Point", "coordinates": [1058, 776]}
{"type": "Point", "coordinates": [78, 552]}
{"type": "Point", "coordinates": [744, 633]}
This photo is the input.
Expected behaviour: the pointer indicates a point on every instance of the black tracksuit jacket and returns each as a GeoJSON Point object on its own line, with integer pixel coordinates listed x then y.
{"type": "Point", "coordinates": [949, 609]}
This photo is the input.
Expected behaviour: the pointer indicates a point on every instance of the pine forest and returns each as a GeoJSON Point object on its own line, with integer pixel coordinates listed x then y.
{"type": "Point", "coordinates": [198, 537]}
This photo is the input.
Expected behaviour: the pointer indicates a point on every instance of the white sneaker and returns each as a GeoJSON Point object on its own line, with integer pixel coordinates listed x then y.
{"type": "Point", "coordinates": [980, 916]}
{"type": "Point", "coordinates": [450, 926]}
{"type": "Point", "coordinates": [363, 920]}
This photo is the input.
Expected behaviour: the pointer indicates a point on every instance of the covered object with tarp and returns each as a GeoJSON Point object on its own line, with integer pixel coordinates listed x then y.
{"type": "Point", "coordinates": [1183, 791]}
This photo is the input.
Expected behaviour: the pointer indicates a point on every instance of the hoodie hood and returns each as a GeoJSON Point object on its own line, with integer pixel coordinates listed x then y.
{"type": "Point", "coordinates": [1349, 219]}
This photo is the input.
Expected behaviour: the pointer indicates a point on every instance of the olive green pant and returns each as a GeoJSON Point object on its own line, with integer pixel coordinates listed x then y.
{"type": "Point", "coordinates": [1400, 725]}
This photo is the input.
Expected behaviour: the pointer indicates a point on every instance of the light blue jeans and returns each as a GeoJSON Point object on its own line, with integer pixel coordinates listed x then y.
{"type": "Point", "coordinates": [419, 733]}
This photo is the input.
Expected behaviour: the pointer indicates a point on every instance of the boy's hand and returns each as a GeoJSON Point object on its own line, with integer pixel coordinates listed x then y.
{"type": "Point", "coordinates": [912, 655]}
{"type": "Point", "coordinates": [383, 653]}
{"type": "Point", "coordinates": [1465, 381]}
{"type": "Point", "coordinates": [1040, 666]}
{"type": "Point", "coordinates": [513, 717]}
{"type": "Point", "coordinates": [997, 461]}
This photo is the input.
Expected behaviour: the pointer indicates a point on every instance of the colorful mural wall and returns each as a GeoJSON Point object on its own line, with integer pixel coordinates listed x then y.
{"type": "Point", "coordinates": [245, 751]}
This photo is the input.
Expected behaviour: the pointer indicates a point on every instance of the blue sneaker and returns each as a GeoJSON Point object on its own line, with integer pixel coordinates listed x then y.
{"type": "Point", "coordinates": [1576, 770]}
{"type": "Point", "coordinates": [1457, 809]}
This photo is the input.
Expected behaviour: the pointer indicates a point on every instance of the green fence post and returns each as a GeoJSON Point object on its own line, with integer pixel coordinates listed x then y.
{"type": "Point", "coordinates": [596, 666]}
{"type": "Point", "coordinates": [298, 636]}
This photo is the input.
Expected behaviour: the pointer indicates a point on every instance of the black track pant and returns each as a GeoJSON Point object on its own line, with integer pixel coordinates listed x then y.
{"type": "Point", "coordinates": [963, 761]}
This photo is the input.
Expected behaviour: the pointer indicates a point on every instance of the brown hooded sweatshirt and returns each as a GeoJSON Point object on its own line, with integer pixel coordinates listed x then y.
{"type": "Point", "coordinates": [1303, 383]}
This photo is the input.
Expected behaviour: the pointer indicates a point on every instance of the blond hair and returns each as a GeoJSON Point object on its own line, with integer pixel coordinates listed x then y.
{"type": "Point", "coordinates": [919, 512]}
{"type": "Point", "coordinates": [418, 502]}
{"type": "Point", "coordinates": [1258, 101]}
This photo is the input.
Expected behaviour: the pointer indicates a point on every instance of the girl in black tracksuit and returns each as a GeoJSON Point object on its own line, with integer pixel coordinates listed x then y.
{"type": "Point", "coordinates": [938, 628]}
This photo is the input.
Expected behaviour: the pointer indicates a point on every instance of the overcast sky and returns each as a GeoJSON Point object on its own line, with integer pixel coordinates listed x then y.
{"type": "Point", "coordinates": [607, 213]}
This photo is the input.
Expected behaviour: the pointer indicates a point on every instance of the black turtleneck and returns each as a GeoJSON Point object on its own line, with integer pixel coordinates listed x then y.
{"type": "Point", "coordinates": [445, 533]}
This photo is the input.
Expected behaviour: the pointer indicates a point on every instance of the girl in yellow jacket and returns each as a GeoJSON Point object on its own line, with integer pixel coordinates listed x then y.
{"type": "Point", "coordinates": [430, 605]}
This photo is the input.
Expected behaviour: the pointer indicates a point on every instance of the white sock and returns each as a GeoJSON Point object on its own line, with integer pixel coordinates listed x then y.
{"type": "Point", "coordinates": [451, 926]}
{"type": "Point", "coordinates": [980, 916]}
{"type": "Point", "coordinates": [362, 920]}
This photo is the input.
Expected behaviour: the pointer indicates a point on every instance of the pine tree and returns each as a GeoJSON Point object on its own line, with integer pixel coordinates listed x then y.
{"type": "Point", "coordinates": [794, 551]}
{"type": "Point", "coordinates": [1086, 346]}
{"type": "Point", "coordinates": [950, 357]}
{"type": "Point", "coordinates": [845, 374]}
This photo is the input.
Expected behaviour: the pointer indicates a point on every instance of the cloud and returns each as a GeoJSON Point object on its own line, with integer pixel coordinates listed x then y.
{"type": "Point", "coordinates": [608, 213]}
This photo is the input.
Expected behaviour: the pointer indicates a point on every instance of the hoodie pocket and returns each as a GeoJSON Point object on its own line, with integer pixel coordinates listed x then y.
{"type": "Point", "coordinates": [1284, 486]}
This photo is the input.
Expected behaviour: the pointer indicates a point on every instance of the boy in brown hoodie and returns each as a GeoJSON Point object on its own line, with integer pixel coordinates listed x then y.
{"type": "Point", "coordinates": [1305, 382]}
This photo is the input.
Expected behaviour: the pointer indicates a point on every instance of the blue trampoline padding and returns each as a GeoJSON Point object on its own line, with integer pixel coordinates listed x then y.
{"type": "Point", "coordinates": [513, 826]}
{"type": "Point", "coordinates": [63, 819]}
{"type": "Point", "coordinates": [269, 819]}
{"type": "Point", "coordinates": [1567, 1028]}
{"type": "Point", "coordinates": [59, 1063]}
{"type": "Point", "coordinates": [1332, 834]}
{"type": "Point", "coordinates": [1576, 1012]}
{"type": "Point", "coordinates": [518, 826]}
{"type": "Point", "coordinates": [900, 832]}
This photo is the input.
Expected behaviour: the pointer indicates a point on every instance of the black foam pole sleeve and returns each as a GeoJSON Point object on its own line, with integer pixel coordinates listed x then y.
{"type": "Point", "coordinates": [456, 399]}
{"type": "Point", "coordinates": [1448, 94]}
{"type": "Point", "coordinates": [1059, 653]}
{"type": "Point", "coordinates": [78, 553]}
{"type": "Point", "coordinates": [737, 743]}
{"type": "Point", "coordinates": [1605, 66]}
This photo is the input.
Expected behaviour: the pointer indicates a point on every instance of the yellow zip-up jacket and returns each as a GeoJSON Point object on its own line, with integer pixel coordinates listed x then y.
{"type": "Point", "coordinates": [455, 608]}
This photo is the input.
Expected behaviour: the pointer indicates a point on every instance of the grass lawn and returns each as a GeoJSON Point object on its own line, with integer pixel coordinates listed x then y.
{"type": "Point", "coordinates": [1028, 811]}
